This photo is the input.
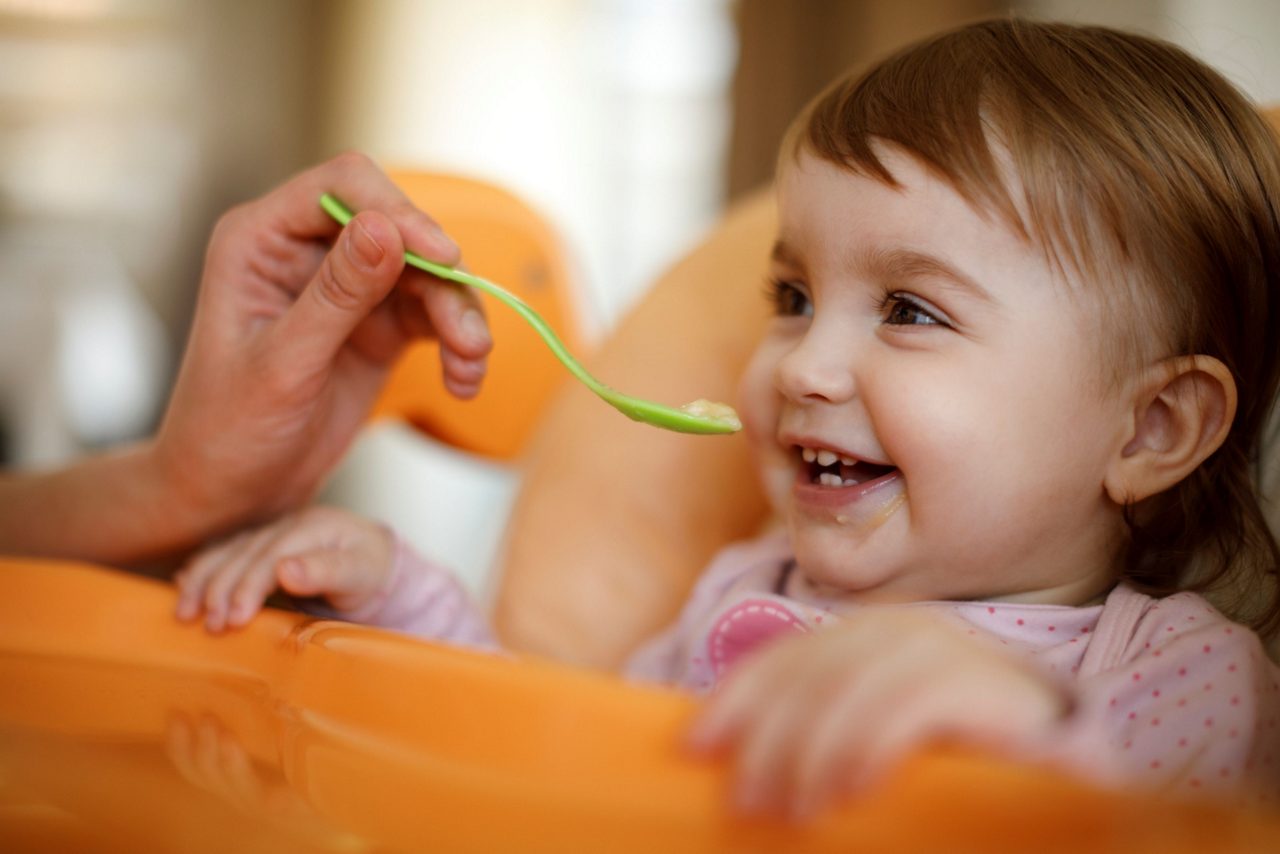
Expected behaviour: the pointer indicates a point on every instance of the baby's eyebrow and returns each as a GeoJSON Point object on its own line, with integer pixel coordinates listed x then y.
{"type": "Point", "coordinates": [782, 253]}
{"type": "Point", "coordinates": [901, 263]}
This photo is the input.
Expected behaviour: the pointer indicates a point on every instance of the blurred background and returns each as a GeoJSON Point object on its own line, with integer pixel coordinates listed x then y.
{"type": "Point", "coordinates": [127, 126]}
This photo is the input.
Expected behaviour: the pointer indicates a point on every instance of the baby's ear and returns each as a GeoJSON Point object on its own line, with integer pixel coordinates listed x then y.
{"type": "Point", "coordinates": [1182, 411]}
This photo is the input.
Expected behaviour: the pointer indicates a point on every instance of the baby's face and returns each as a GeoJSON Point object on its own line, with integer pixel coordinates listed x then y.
{"type": "Point", "coordinates": [955, 381]}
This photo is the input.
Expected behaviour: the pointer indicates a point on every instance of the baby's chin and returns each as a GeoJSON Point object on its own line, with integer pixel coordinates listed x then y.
{"type": "Point", "coordinates": [828, 560]}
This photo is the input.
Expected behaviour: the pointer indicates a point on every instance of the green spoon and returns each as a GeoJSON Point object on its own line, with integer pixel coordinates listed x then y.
{"type": "Point", "coordinates": [700, 416]}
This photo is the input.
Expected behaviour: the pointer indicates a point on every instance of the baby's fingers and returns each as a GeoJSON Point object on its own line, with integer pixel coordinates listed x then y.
{"type": "Point", "coordinates": [194, 578]}
{"type": "Point", "coordinates": [721, 720]}
{"type": "Point", "coordinates": [256, 583]}
{"type": "Point", "coordinates": [852, 742]}
{"type": "Point", "coordinates": [341, 575]}
{"type": "Point", "coordinates": [735, 701]}
{"type": "Point", "coordinates": [768, 744]}
{"type": "Point", "coordinates": [912, 726]}
{"type": "Point", "coordinates": [823, 757]}
{"type": "Point", "coordinates": [762, 713]}
{"type": "Point", "coordinates": [220, 611]}
{"type": "Point", "coordinates": [456, 315]}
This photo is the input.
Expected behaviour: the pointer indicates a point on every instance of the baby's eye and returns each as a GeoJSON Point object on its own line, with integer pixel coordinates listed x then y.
{"type": "Point", "coordinates": [902, 310]}
{"type": "Point", "coordinates": [789, 299]}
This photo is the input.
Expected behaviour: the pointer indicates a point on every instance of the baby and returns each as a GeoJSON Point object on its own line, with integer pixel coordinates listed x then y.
{"type": "Point", "coordinates": [1025, 282]}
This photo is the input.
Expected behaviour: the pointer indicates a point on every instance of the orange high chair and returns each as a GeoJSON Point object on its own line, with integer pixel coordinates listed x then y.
{"type": "Point", "coordinates": [123, 730]}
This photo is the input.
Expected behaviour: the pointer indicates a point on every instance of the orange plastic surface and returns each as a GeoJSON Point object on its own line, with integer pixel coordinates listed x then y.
{"type": "Point", "coordinates": [123, 730]}
{"type": "Point", "coordinates": [506, 241]}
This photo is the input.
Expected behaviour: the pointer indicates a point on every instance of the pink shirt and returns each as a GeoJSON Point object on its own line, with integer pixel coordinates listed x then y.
{"type": "Point", "coordinates": [1168, 692]}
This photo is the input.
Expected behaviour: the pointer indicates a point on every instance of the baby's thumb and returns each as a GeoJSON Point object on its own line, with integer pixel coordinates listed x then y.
{"type": "Point", "coordinates": [327, 572]}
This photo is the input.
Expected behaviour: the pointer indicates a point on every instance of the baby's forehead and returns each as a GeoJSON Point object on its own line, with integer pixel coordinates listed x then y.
{"type": "Point", "coordinates": [907, 198]}
{"type": "Point", "coordinates": [1016, 177]}
{"type": "Point", "coordinates": [1018, 242]}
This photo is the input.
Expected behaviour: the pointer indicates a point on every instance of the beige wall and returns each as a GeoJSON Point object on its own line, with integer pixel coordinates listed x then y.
{"type": "Point", "coordinates": [1241, 38]}
{"type": "Point", "coordinates": [126, 126]}
{"type": "Point", "coordinates": [789, 51]}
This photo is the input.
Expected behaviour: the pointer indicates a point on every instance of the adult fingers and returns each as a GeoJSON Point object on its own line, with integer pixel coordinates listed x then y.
{"type": "Point", "coordinates": [456, 315]}
{"type": "Point", "coordinates": [463, 370]}
{"type": "Point", "coordinates": [294, 207]}
{"type": "Point", "coordinates": [382, 336]}
{"type": "Point", "coordinates": [354, 278]}
{"type": "Point", "coordinates": [462, 377]}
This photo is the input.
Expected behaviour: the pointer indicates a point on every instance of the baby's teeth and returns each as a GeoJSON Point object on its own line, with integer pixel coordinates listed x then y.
{"type": "Point", "coordinates": [830, 479]}
{"type": "Point", "coordinates": [808, 454]}
{"type": "Point", "coordinates": [826, 458]}
{"type": "Point", "coordinates": [848, 461]}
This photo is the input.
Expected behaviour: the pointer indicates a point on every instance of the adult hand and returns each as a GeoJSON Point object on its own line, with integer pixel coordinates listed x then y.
{"type": "Point", "coordinates": [296, 326]}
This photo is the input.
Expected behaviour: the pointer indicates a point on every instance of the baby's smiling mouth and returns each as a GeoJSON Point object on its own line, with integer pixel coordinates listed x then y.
{"type": "Point", "coordinates": [827, 468]}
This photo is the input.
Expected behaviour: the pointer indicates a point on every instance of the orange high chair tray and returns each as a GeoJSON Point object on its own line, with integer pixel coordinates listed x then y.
{"type": "Point", "coordinates": [124, 730]}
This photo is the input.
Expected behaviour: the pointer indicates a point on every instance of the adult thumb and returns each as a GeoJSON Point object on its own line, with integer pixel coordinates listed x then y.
{"type": "Point", "coordinates": [356, 275]}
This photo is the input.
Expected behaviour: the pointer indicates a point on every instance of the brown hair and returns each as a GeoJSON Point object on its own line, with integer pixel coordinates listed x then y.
{"type": "Point", "coordinates": [1146, 171]}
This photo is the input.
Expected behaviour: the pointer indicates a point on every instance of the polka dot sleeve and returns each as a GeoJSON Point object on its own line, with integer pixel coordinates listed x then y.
{"type": "Point", "coordinates": [1187, 701]}
{"type": "Point", "coordinates": [422, 598]}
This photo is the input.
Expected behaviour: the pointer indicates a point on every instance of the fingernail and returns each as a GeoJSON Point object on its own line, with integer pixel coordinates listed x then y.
{"type": "Point", "coordinates": [185, 610]}
{"type": "Point", "coordinates": [361, 246]}
{"type": "Point", "coordinates": [474, 327]}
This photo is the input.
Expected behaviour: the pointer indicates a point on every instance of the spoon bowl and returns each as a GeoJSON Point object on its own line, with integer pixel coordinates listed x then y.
{"type": "Point", "coordinates": [700, 416]}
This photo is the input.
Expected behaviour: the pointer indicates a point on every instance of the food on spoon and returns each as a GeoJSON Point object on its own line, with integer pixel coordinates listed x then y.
{"type": "Point", "coordinates": [721, 413]}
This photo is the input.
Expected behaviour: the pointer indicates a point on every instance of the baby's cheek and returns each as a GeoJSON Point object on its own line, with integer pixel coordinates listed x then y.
{"type": "Point", "coordinates": [758, 407]}
{"type": "Point", "coordinates": [772, 467]}
{"type": "Point", "coordinates": [953, 459]}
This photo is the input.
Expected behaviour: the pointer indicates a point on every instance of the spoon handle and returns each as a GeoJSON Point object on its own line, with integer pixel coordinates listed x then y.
{"type": "Point", "coordinates": [343, 215]}
{"type": "Point", "coordinates": [698, 417]}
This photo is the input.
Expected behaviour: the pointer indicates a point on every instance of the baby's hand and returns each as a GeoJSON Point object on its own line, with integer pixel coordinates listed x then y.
{"type": "Point", "coordinates": [817, 716]}
{"type": "Point", "coordinates": [319, 551]}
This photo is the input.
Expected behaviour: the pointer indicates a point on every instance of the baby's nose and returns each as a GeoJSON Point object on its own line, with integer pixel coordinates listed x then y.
{"type": "Point", "coordinates": [817, 370]}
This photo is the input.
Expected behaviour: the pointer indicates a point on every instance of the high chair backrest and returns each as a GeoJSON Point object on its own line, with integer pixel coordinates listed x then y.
{"type": "Point", "coordinates": [506, 241]}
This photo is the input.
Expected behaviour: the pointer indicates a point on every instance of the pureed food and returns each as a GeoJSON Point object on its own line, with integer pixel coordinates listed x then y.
{"type": "Point", "coordinates": [722, 413]}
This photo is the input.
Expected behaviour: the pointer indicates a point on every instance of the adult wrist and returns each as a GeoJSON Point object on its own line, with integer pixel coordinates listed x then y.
{"type": "Point", "coordinates": [185, 503]}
